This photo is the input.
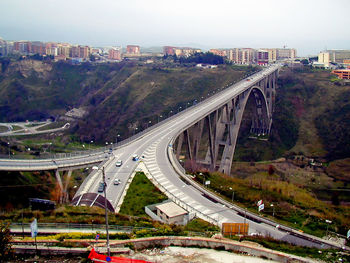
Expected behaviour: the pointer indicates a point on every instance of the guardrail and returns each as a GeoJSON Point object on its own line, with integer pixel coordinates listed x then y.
{"type": "Point", "coordinates": [92, 228]}
{"type": "Point", "coordinates": [74, 226]}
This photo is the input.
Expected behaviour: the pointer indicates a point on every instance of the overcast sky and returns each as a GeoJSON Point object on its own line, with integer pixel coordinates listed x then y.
{"type": "Point", "coordinates": [307, 25]}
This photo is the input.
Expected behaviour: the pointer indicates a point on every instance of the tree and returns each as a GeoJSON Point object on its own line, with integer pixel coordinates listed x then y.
{"type": "Point", "coordinates": [5, 239]}
{"type": "Point", "coordinates": [305, 62]}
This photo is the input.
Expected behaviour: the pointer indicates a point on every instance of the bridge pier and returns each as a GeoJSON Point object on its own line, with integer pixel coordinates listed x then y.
{"type": "Point", "coordinates": [63, 195]}
{"type": "Point", "coordinates": [220, 128]}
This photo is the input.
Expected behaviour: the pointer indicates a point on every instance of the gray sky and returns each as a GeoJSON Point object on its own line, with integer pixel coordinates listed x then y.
{"type": "Point", "coordinates": [307, 25]}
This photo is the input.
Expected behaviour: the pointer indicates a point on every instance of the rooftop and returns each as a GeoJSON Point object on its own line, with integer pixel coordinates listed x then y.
{"type": "Point", "coordinates": [171, 209]}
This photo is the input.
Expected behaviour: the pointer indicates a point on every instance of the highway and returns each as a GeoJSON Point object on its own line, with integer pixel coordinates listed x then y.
{"type": "Point", "coordinates": [155, 149]}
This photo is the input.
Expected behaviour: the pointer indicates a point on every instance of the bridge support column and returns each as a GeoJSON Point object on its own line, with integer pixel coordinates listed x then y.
{"type": "Point", "coordinates": [63, 195]}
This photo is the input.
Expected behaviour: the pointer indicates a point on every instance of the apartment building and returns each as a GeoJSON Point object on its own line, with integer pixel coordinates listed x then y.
{"type": "Point", "coordinates": [133, 50]}
{"type": "Point", "coordinates": [333, 56]}
{"type": "Point", "coordinates": [114, 53]}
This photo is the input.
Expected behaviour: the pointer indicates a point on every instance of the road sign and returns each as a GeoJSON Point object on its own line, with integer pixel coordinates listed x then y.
{"type": "Point", "coordinates": [261, 207]}
{"type": "Point", "coordinates": [260, 202]}
{"type": "Point", "coordinates": [207, 182]}
{"type": "Point", "coordinates": [34, 228]}
{"type": "Point", "coordinates": [97, 236]}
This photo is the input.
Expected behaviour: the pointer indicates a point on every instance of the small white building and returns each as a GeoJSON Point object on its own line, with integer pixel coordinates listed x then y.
{"type": "Point", "coordinates": [171, 213]}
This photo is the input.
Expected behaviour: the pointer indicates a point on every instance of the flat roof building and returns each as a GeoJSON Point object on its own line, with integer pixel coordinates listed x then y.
{"type": "Point", "coordinates": [342, 73]}
{"type": "Point", "coordinates": [171, 213]}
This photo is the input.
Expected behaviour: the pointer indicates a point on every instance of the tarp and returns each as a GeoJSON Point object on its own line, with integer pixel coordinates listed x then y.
{"type": "Point", "coordinates": [96, 257]}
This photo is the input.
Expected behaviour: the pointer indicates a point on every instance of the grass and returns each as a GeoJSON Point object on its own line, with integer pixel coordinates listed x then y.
{"type": "Point", "coordinates": [140, 194]}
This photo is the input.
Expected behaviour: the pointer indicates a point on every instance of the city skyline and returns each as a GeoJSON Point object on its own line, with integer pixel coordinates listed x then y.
{"type": "Point", "coordinates": [309, 26]}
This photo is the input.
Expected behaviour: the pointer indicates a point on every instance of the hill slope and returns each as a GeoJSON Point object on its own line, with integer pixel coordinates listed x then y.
{"type": "Point", "coordinates": [117, 97]}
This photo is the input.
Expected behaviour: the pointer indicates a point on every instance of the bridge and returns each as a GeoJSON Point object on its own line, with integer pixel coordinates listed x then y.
{"type": "Point", "coordinates": [160, 145]}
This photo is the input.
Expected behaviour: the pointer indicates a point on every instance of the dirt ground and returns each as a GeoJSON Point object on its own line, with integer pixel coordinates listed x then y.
{"type": "Point", "coordinates": [194, 255]}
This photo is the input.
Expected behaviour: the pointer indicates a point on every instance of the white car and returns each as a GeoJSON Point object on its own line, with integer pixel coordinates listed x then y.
{"type": "Point", "coordinates": [119, 163]}
{"type": "Point", "coordinates": [116, 182]}
{"type": "Point", "coordinates": [135, 157]}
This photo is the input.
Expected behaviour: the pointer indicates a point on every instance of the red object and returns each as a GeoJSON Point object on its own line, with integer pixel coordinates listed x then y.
{"type": "Point", "coordinates": [96, 257]}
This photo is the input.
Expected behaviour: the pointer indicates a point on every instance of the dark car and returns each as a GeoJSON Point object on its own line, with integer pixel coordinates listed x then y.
{"type": "Point", "coordinates": [101, 187]}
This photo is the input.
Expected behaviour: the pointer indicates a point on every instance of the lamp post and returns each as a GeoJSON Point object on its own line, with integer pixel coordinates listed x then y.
{"type": "Point", "coordinates": [273, 210]}
{"type": "Point", "coordinates": [328, 223]}
{"type": "Point", "coordinates": [159, 117]}
{"type": "Point", "coordinates": [8, 143]}
{"type": "Point", "coordinates": [233, 194]}
{"type": "Point", "coordinates": [105, 196]}
{"type": "Point", "coordinates": [179, 109]}
{"type": "Point", "coordinates": [116, 140]}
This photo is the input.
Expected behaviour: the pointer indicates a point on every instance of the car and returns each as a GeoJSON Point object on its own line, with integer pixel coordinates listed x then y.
{"type": "Point", "coordinates": [135, 157]}
{"type": "Point", "coordinates": [101, 187]}
{"type": "Point", "coordinates": [119, 163]}
{"type": "Point", "coordinates": [116, 182]}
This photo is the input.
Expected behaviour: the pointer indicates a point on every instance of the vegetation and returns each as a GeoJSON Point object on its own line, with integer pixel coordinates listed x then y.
{"type": "Point", "coordinates": [117, 96]}
{"type": "Point", "coordinates": [206, 58]}
{"type": "Point", "coordinates": [140, 194]}
{"type": "Point", "coordinates": [293, 204]}
{"type": "Point", "coordinates": [5, 239]}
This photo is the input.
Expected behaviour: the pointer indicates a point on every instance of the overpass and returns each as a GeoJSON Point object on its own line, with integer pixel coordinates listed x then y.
{"type": "Point", "coordinates": [221, 114]}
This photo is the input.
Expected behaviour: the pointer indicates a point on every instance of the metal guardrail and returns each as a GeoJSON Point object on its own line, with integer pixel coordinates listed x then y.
{"type": "Point", "coordinates": [74, 226]}
{"type": "Point", "coordinates": [92, 227]}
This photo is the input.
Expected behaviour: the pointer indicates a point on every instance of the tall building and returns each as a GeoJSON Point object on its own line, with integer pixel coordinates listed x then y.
{"type": "Point", "coordinates": [80, 52]}
{"type": "Point", "coordinates": [64, 49]}
{"type": "Point", "coordinates": [37, 47]}
{"type": "Point", "coordinates": [114, 53]}
{"type": "Point", "coordinates": [241, 55]}
{"type": "Point", "coordinates": [218, 52]}
{"type": "Point", "coordinates": [23, 47]}
{"type": "Point", "coordinates": [262, 57]}
{"type": "Point", "coordinates": [133, 50]}
{"type": "Point", "coordinates": [286, 53]}
{"type": "Point", "coordinates": [333, 56]}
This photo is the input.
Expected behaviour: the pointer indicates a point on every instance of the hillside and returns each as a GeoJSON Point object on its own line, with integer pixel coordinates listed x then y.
{"type": "Point", "coordinates": [311, 118]}
{"type": "Point", "coordinates": [117, 97]}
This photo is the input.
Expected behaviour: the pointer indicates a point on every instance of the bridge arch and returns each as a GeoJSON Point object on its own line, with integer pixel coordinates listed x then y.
{"type": "Point", "coordinates": [219, 129]}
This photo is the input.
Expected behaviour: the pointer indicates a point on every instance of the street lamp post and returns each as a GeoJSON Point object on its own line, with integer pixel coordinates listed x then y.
{"type": "Point", "coordinates": [273, 210]}
{"type": "Point", "coordinates": [8, 143]}
{"type": "Point", "coordinates": [116, 140]}
{"type": "Point", "coordinates": [105, 196]}
{"type": "Point", "coordinates": [233, 194]}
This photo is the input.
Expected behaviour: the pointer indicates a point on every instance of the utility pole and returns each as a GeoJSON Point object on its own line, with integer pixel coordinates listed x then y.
{"type": "Point", "coordinates": [106, 215]}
